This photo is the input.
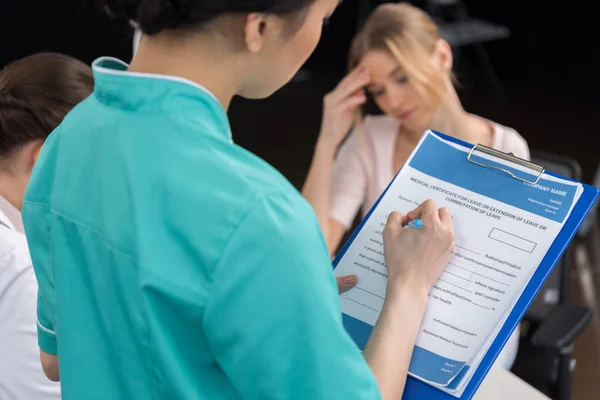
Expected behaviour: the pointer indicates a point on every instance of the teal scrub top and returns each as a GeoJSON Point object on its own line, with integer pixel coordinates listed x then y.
{"type": "Point", "coordinates": [174, 264]}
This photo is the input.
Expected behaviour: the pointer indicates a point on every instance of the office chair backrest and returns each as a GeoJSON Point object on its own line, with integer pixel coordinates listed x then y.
{"type": "Point", "coordinates": [593, 217]}
{"type": "Point", "coordinates": [555, 290]}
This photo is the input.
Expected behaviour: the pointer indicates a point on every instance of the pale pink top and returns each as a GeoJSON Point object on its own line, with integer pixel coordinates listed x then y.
{"type": "Point", "coordinates": [364, 164]}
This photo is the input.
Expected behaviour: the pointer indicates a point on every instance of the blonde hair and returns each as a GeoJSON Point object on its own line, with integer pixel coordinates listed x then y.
{"type": "Point", "coordinates": [409, 35]}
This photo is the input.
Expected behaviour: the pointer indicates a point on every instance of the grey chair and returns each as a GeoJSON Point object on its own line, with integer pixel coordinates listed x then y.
{"type": "Point", "coordinates": [589, 232]}
{"type": "Point", "coordinates": [545, 358]}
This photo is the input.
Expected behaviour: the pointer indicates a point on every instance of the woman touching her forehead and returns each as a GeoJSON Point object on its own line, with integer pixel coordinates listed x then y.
{"type": "Point", "coordinates": [399, 59]}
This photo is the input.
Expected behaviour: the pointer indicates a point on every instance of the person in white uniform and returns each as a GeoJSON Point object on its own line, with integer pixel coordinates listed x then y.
{"type": "Point", "coordinates": [36, 93]}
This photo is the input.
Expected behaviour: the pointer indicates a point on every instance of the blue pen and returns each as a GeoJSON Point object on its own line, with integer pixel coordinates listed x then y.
{"type": "Point", "coordinates": [417, 223]}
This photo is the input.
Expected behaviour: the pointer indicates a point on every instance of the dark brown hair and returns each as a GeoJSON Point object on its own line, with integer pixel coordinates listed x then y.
{"type": "Point", "coordinates": [36, 92]}
{"type": "Point", "coordinates": [154, 16]}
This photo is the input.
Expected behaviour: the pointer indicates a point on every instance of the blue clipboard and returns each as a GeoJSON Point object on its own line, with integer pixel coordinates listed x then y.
{"type": "Point", "coordinates": [416, 389]}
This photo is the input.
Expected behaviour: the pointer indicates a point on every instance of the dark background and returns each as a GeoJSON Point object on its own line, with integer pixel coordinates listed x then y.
{"type": "Point", "coordinates": [549, 69]}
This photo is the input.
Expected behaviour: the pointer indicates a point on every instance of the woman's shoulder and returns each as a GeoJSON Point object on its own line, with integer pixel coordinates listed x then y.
{"type": "Point", "coordinates": [371, 133]}
{"type": "Point", "coordinates": [14, 252]}
{"type": "Point", "coordinates": [508, 140]}
{"type": "Point", "coordinates": [380, 127]}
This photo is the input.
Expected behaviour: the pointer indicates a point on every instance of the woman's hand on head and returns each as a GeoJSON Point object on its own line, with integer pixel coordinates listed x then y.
{"type": "Point", "coordinates": [415, 257]}
{"type": "Point", "coordinates": [340, 106]}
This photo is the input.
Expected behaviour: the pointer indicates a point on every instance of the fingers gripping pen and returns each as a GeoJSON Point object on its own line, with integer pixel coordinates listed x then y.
{"type": "Point", "coordinates": [417, 223]}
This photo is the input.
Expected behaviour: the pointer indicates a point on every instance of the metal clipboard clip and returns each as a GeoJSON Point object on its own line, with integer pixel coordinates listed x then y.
{"type": "Point", "coordinates": [507, 157]}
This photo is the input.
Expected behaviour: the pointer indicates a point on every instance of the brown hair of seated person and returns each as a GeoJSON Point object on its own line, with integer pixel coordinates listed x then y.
{"type": "Point", "coordinates": [36, 93]}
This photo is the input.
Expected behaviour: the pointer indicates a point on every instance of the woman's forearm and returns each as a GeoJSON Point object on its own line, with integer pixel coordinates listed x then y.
{"type": "Point", "coordinates": [317, 188]}
{"type": "Point", "coordinates": [390, 346]}
{"type": "Point", "coordinates": [50, 366]}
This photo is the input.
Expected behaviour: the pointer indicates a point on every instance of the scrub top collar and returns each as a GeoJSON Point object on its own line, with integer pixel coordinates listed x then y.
{"type": "Point", "coordinates": [152, 93]}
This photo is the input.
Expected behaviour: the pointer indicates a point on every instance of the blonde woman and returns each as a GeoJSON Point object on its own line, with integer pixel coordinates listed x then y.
{"type": "Point", "coordinates": [400, 59]}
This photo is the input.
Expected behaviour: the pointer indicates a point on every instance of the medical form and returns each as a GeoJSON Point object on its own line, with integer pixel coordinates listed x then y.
{"type": "Point", "coordinates": [503, 229]}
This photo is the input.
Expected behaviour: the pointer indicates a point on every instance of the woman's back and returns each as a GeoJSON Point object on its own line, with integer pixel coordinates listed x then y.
{"type": "Point", "coordinates": [166, 260]}
{"type": "Point", "coordinates": [21, 376]}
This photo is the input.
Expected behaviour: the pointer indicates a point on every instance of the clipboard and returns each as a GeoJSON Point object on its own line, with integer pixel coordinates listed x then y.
{"type": "Point", "coordinates": [416, 389]}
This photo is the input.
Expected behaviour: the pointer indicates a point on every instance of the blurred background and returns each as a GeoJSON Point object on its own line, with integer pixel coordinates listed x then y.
{"type": "Point", "coordinates": [531, 65]}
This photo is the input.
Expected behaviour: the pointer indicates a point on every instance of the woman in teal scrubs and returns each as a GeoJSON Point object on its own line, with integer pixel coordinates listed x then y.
{"type": "Point", "coordinates": [173, 264]}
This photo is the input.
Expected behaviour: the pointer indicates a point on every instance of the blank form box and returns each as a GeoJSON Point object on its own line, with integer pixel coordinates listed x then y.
{"type": "Point", "coordinates": [512, 240]}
